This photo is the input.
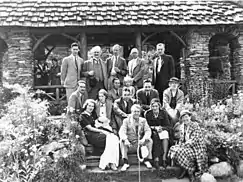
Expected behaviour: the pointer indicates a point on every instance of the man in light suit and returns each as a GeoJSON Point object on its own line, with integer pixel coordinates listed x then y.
{"type": "Point", "coordinates": [146, 94]}
{"type": "Point", "coordinates": [135, 132]}
{"type": "Point", "coordinates": [116, 66]}
{"type": "Point", "coordinates": [71, 70]}
{"type": "Point", "coordinates": [77, 99]}
{"type": "Point", "coordinates": [136, 69]}
{"type": "Point", "coordinates": [95, 71]}
{"type": "Point", "coordinates": [164, 69]}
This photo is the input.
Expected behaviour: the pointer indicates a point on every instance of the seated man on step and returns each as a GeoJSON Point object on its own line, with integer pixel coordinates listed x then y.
{"type": "Point", "coordinates": [135, 132]}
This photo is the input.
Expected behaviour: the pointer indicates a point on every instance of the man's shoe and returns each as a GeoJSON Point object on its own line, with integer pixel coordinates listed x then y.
{"type": "Point", "coordinates": [125, 167]}
{"type": "Point", "coordinates": [113, 167]}
{"type": "Point", "coordinates": [148, 165]}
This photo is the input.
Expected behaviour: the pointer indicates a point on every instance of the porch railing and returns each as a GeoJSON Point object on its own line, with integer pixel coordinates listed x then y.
{"type": "Point", "coordinates": [55, 95]}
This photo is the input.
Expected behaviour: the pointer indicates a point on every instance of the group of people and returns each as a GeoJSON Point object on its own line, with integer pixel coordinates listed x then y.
{"type": "Point", "coordinates": [47, 74]}
{"type": "Point", "coordinates": [133, 108]}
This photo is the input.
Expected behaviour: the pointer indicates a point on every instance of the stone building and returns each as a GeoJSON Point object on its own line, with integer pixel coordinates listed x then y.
{"type": "Point", "coordinates": [194, 32]}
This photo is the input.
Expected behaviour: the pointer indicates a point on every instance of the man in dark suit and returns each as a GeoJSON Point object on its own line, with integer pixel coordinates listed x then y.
{"type": "Point", "coordinates": [71, 70]}
{"type": "Point", "coordinates": [95, 71]}
{"type": "Point", "coordinates": [164, 69]}
{"type": "Point", "coordinates": [136, 69]}
{"type": "Point", "coordinates": [121, 108]}
{"type": "Point", "coordinates": [77, 99]}
{"type": "Point", "coordinates": [116, 66]}
{"type": "Point", "coordinates": [146, 94]}
{"type": "Point", "coordinates": [116, 91]}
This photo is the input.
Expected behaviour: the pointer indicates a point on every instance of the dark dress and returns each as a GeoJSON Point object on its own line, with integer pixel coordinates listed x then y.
{"type": "Point", "coordinates": [161, 120]}
{"type": "Point", "coordinates": [96, 139]}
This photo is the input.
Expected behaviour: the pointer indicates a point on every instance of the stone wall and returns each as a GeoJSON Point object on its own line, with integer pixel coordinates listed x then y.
{"type": "Point", "coordinates": [20, 57]}
{"type": "Point", "coordinates": [238, 54]}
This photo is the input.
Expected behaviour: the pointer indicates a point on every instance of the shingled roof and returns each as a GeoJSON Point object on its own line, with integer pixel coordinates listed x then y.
{"type": "Point", "coordinates": [54, 13]}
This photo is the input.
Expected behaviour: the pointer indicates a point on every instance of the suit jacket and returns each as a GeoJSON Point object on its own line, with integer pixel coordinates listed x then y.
{"type": "Point", "coordinates": [70, 71]}
{"type": "Point", "coordinates": [112, 95]}
{"type": "Point", "coordinates": [121, 64]}
{"type": "Point", "coordinates": [120, 112]}
{"type": "Point", "coordinates": [108, 105]}
{"type": "Point", "coordinates": [75, 102]}
{"type": "Point", "coordinates": [128, 130]}
{"type": "Point", "coordinates": [137, 72]}
{"type": "Point", "coordinates": [88, 66]}
{"type": "Point", "coordinates": [167, 71]}
{"type": "Point", "coordinates": [167, 95]}
{"type": "Point", "coordinates": [142, 97]}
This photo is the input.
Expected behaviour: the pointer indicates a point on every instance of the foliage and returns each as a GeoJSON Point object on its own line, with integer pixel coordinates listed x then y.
{"type": "Point", "coordinates": [222, 124]}
{"type": "Point", "coordinates": [30, 140]}
{"type": "Point", "coordinates": [57, 108]}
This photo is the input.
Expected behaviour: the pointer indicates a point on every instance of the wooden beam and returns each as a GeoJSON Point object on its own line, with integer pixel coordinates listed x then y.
{"type": "Point", "coordinates": [70, 37]}
{"type": "Point", "coordinates": [179, 38]}
{"type": "Point", "coordinates": [148, 37]}
{"type": "Point", "coordinates": [84, 46]}
{"type": "Point", "coordinates": [49, 51]}
{"type": "Point", "coordinates": [139, 42]}
{"type": "Point", "coordinates": [39, 41]}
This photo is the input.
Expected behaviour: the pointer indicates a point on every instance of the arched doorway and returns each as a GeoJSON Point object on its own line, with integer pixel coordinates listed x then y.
{"type": "Point", "coordinates": [222, 60]}
{"type": "Point", "coordinates": [3, 58]}
{"type": "Point", "coordinates": [174, 46]}
{"type": "Point", "coordinates": [222, 67]}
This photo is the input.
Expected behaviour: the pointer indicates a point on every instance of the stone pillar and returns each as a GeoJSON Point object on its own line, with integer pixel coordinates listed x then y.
{"type": "Point", "coordinates": [20, 57]}
{"type": "Point", "coordinates": [196, 63]}
{"type": "Point", "coordinates": [238, 55]}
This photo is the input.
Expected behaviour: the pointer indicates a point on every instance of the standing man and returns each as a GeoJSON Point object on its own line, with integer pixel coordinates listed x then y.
{"type": "Point", "coordinates": [116, 66]}
{"type": "Point", "coordinates": [136, 69]}
{"type": "Point", "coordinates": [164, 69]}
{"type": "Point", "coordinates": [133, 133]}
{"type": "Point", "coordinates": [71, 70]}
{"type": "Point", "coordinates": [95, 71]}
{"type": "Point", "coordinates": [41, 73]}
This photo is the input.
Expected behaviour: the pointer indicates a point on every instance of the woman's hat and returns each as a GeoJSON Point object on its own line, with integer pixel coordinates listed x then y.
{"type": "Point", "coordinates": [184, 112]}
{"type": "Point", "coordinates": [174, 79]}
{"type": "Point", "coordinates": [142, 153]}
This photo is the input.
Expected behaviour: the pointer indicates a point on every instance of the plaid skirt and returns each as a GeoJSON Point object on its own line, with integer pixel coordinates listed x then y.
{"type": "Point", "coordinates": [189, 158]}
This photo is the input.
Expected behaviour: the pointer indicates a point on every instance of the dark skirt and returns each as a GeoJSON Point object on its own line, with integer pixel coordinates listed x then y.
{"type": "Point", "coordinates": [157, 150]}
{"type": "Point", "coordinates": [98, 140]}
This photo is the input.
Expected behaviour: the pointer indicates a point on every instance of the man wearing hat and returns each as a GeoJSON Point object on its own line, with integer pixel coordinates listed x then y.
{"type": "Point", "coordinates": [135, 132]}
{"type": "Point", "coordinates": [136, 69]}
{"type": "Point", "coordinates": [164, 69]}
{"type": "Point", "coordinates": [173, 99]}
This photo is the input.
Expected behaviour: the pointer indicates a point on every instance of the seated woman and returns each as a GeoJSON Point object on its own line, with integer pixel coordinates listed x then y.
{"type": "Point", "coordinates": [100, 137]}
{"type": "Point", "coordinates": [191, 152]}
{"type": "Point", "coordinates": [159, 122]}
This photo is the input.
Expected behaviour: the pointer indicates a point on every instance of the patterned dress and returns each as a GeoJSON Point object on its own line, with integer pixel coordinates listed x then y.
{"type": "Point", "coordinates": [191, 152]}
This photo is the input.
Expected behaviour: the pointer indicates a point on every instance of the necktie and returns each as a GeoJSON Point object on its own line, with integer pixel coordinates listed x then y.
{"type": "Point", "coordinates": [148, 98]}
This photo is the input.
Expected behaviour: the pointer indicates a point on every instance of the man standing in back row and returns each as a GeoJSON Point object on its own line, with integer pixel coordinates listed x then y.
{"type": "Point", "coordinates": [164, 69]}
{"type": "Point", "coordinates": [71, 70]}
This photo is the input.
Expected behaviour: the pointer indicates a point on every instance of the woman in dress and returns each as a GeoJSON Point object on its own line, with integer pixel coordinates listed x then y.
{"type": "Point", "coordinates": [159, 122]}
{"type": "Point", "coordinates": [191, 152]}
{"type": "Point", "coordinates": [100, 138]}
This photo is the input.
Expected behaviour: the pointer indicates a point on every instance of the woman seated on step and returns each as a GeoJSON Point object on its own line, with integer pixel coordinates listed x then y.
{"type": "Point", "coordinates": [160, 125]}
{"type": "Point", "coordinates": [191, 152]}
{"type": "Point", "coordinates": [100, 135]}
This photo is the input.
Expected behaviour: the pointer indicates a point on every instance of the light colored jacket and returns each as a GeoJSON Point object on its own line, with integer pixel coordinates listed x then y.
{"type": "Point", "coordinates": [167, 99]}
{"type": "Point", "coordinates": [128, 130]}
{"type": "Point", "coordinates": [70, 72]}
